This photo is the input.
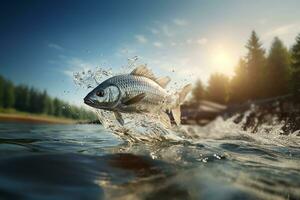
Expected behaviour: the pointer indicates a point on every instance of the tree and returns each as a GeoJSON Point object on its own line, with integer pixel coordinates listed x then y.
{"type": "Point", "coordinates": [22, 98]}
{"type": "Point", "coordinates": [238, 86]}
{"type": "Point", "coordinates": [43, 102]}
{"type": "Point", "coordinates": [277, 69]}
{"type": "Point", "coordinates": [295, 65]}
{"type": "Point", "coordinates": [1, 91]}
{"type": "Point", "coordinates": [50, 106]}
{"type": "Point", "coordinates": [256, 61]}
{"type": "Point", "coordinates": [9, 95]}
{"type": "Point", "coordinates": [198, 92]}
{"type": "Point", "coordinates": [33, 101]}
{"type": "Point", "coordinates": [217, 89]}
{"type": "Point", "coordinates": [57, 107]}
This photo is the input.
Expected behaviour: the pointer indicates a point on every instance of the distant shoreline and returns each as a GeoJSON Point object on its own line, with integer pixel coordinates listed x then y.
{"type": "Point", "coordinates": [29, 118]}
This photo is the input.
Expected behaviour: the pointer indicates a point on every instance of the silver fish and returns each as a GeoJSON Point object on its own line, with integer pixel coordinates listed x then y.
{"type": "Point", "coordinates": [137, 92]}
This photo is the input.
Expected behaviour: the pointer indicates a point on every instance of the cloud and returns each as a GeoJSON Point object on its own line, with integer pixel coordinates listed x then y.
{"type": "Point", "coordinates": [173, 44]}
{"type": "Point", "coordinates": [157, 44]}
{"type": "Point", "coordinates": [141, 39]}
{"type": "Point", "coordinates": [125, 52]}
{"type": "Point", "coordinates": [180, 22]}
{"type": "Point", "coordinates": [75, 65]}
{"type": "Point", "coordinates": [55, 46]}
{"type": "Point", "coordinates": [154, 31]}
{"type": "Point", "coordinates": [283, 30]}
{"type": "Point", "coordinates": [262, 21]}
{"type": "Point", "coordinates": [181, 74]}
{"type": "Point", "coordinates": [202, 41]}
{"type": "Point", "coordinates": [189, 41]}
{"type": "Point", "coordinates": [166, 30]}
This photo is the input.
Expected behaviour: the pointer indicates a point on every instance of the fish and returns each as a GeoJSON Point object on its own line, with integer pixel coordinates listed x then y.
{"type": "Point", "coordinates": [138, 92]}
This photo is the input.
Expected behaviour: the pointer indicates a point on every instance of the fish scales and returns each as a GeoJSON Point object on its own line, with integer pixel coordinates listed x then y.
{"type": "Point", "coordinates": [132, 85]}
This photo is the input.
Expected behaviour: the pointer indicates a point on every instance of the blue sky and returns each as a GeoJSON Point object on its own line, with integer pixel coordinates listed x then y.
{"type": "Point", "coordinates": [43, 42]}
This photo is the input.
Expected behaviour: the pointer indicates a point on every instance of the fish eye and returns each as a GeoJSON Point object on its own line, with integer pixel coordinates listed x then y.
{"type": "Point", "coordinates": [100, 93]}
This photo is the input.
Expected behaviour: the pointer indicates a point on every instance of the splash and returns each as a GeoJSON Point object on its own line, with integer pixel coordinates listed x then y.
{"type": "Point", "coordinates": [138, 127]}
{"type": "Point", "coordinates": [237, 127]}
{"type": "Point", "coordinates": [148, 128]}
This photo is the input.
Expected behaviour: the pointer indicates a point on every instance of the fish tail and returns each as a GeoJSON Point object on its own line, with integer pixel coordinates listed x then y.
{"type": "Point", "coordinates": [181, 97]}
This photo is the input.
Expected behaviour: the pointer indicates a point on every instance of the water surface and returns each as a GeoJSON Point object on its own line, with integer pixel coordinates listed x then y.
{"type": "Point", "coordinates": [89, 162]}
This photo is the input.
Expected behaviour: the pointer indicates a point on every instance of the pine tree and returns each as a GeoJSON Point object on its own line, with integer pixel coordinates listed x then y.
{"type": "Point", "coordinates": [43, 102]}
{"type": "Point", "coordinates": [198, 92]}
{"type": "Point", "coordinates": [57, 107]}
{"type": "Point", "coordinates": [50, 106]}
{"type": "Point", "coordinates": [238, 87]}
{"type": "Point", "coordinates": [277, 69]}
{"type": "Point", "coordinates": [22, 98]}
{"type": "Point", "coordinates": [34, 104]}
{"type": "Point", "coordinates": [295, 65]}
{"type": "Point", "coordinates": [1, 91]}
{"type": "Point", "coordinates": [9, 95]}
{"type": "Point", "coordinates": [32, 100]}
{"type": "Point", "coordinates": [255, 65]}
{"type": "Point", "coordinates": [217, 89]}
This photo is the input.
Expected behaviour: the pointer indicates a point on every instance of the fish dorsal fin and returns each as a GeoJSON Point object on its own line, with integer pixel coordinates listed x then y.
{"type": "Point", "coordinates": [135, 99]}
{"type": "Point", "coordinates": [142, 70]}
{"type": "Point", "coordinates": [163, 81]}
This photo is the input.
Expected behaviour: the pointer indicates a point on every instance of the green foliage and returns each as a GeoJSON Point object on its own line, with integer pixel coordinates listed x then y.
{"type": "Point", "coordinates": [8, 95]}
{"type": "Point", "coordinates": [198, 91]}
{"type": "Point", "coordinates": [238, 86]}
{"type": "Point", "coordinates": [1, 91]}
{"type": "Point", "coordinates": [49, 106]}
{"type": "Point", "coordinates": [256, 62]}
{"type": "Point", "coordinates": [217, 89]}
{"type": "Point", "coordinates": [32, 100]}
{"type": "Point", "coordinates": [295, 65]}
{"type": "Point", "coordinates": [277, 70]}
{"type": "Point", "coordinates": [57, 107]}
{"type": "Point", "coordinates": [22, 92]}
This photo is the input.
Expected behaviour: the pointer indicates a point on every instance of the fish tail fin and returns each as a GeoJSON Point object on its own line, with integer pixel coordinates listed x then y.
{"type": "Point", "coordinates": [181, 96]}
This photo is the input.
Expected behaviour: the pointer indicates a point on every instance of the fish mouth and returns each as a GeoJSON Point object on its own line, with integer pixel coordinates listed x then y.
{"type": "Point", "coordinates": [88, 101]}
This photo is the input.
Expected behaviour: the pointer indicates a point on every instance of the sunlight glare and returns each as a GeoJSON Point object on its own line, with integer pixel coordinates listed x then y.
{"type": "Point", "coordinates": [223, 61]}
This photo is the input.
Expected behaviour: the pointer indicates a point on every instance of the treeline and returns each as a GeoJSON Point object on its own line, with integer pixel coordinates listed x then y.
{"type": "Point", "coordinates": [23, 98]}
{"type": "Point", "coordinates": [258, 75]}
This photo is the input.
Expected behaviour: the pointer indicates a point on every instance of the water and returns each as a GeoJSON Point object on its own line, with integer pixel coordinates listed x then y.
{"type": "Point", "coordinates": [145, 160]}
{"type": "Point", "coordinates": [90, 162]}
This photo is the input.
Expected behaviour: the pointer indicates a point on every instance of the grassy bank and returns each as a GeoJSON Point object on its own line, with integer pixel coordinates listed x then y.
{"type": "Point", "coordinates": [16, 116]}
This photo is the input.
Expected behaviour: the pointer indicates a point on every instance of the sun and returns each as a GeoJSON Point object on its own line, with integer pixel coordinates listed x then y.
{"type": "Point", "coordinates": [222, 58]}
{"type": "Point", "coordinates": [223, 61]}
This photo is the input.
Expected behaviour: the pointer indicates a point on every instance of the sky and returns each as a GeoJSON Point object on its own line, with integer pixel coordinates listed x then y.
{"type": "Point", "coordinates": [42, 43]}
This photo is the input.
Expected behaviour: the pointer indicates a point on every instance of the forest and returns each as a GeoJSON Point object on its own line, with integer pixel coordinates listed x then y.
{"type": "Point", "coordinates": [258, 75]}
{"type": "Point", "coordinates": [25, 99]}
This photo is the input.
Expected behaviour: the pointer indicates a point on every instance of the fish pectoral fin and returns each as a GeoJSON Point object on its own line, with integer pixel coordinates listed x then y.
{"type": "Point", "coordinates": [134, 99]}
{"type": "Point", "coordinates": [119, 117]}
